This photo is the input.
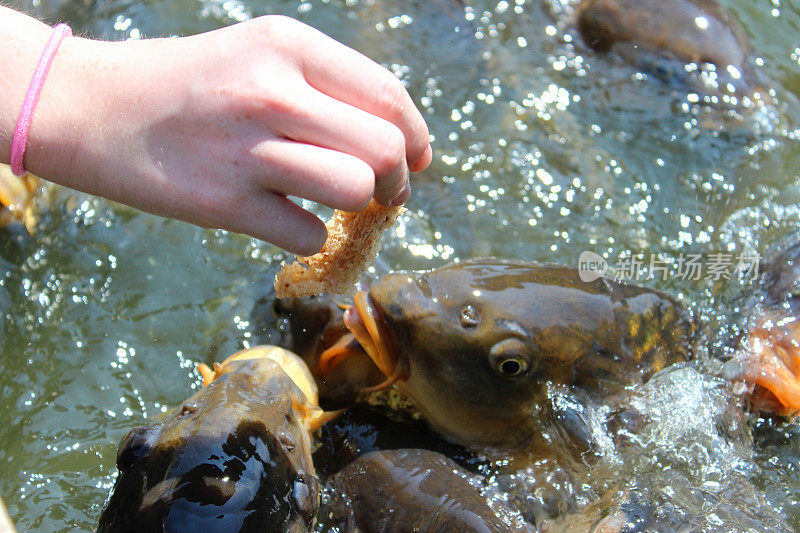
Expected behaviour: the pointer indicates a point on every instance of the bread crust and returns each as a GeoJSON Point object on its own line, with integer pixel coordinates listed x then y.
{"type": "Point", "coordinates": [354, 239]}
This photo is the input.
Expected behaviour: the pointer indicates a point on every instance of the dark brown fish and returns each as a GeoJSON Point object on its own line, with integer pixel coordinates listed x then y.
{"type": "Point", "coordinates": [367, 428]}
{"type": "Point", "coordinates": [315, 324]}
{"type": "Point", "coordinates": [476, 345]}
{"type": "Point", "coordinates": [411, 490]}
{"type": "Point", "coordinates": [236, 456]}
{"type": "Point", "coordinates": [651, 33]}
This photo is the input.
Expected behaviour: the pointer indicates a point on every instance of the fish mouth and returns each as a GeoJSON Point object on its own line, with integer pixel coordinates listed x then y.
{"type": "Point", "coordinates": [369, 329]}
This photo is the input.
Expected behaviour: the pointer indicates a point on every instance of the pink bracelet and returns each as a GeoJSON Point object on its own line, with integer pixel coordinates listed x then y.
{"type": "Point", "coordinates": [20, 139]}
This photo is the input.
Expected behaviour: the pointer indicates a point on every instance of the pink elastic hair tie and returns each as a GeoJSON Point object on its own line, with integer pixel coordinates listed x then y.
{"type": "Point", "coordinates": [20, 139]}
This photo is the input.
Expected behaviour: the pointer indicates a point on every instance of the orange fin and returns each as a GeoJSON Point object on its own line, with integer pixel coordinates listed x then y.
{"type": "Point", "coordinates": [385, 384]}
{"type": "Point", "coordinates": [206, 372]}
{"type": "Point", "coordinates": [772, 362]}
{"type": "Point", "coordinates": [343, 349]}
{"type": "Point", "coordinates": [316, 421]}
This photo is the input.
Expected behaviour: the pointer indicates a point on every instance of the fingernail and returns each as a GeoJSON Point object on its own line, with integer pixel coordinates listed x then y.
{"type": "Point", "coordinates": [401, 198]}
{"type": "Point", "coordinates": [425, 160]}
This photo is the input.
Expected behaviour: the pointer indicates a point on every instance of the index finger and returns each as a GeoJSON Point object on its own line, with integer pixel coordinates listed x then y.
{"type": "Point", "coordinates": [351, 77]}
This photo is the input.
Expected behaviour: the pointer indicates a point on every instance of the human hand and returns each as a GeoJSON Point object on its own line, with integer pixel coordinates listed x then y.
{"type": "Point", "coordinates": [218, 128]}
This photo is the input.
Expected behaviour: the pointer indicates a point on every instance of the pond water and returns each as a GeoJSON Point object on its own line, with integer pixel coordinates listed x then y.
{"type": "Point", "coordinates": [542, 150]}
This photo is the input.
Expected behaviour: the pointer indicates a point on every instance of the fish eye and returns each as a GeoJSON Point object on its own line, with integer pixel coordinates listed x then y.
{"type": "Point", "coordinates": [469, 317]}
{"type": "Point", "coordinates": [510, 358]}
{"type": "Point", "coordinates": [512, 367]}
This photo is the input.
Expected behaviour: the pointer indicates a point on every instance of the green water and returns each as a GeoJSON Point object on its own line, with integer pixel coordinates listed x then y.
{"type": "Point", "coordinates": [541, 150]}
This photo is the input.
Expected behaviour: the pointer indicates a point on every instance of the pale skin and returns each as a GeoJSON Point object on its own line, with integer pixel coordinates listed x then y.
{"type": "Point", "coordinates": [218, 128]}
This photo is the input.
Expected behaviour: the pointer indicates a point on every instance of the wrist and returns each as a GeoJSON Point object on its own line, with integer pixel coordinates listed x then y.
{"type": "Point", "coordinates": [23, 41]}
{"type": "Point", "coordinates": [68, 112]}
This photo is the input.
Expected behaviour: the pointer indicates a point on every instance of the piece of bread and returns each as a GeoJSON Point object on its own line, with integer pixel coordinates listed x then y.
{"type": "Point", "coordinates": [354, 240]}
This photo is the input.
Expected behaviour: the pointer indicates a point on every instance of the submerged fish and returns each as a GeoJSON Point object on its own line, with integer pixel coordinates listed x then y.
{"type": "Point", "coordinates": [367, 428]}
{"type": "Point", "coordinates": [475, 345]}
{"type": "Point", "coordinates": [652, 33]}
{"type": "Point", "coordinates": [235, 456]}
{"type": "Point", "coordinates": [411, 490]}
{"type": "Point", "coordinates": [769, 359]}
